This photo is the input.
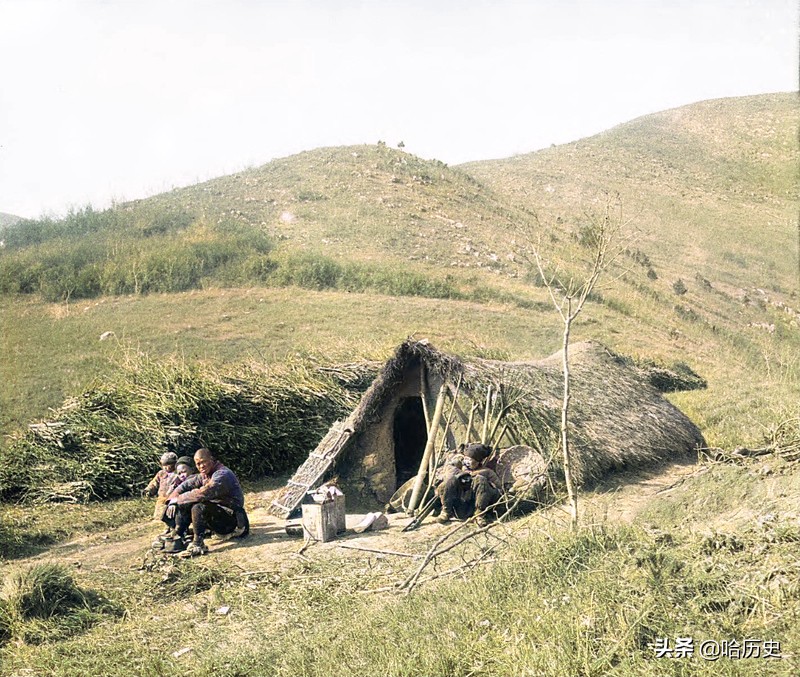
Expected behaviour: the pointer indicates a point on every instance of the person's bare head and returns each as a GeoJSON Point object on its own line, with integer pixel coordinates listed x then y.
{"type": "Point", "coordinates": [203, 460]}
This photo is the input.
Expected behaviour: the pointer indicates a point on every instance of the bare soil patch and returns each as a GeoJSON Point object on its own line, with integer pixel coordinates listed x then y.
{"type": "Point", "coordinates": [619, 499]}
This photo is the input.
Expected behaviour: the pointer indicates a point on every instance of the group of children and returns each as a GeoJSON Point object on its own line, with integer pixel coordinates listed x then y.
{"type": "Point", "coordinates": [173, 471]}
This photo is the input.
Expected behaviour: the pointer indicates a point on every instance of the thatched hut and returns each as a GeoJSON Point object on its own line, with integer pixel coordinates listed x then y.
{"type": "Point", "coordinates": [618, 418]}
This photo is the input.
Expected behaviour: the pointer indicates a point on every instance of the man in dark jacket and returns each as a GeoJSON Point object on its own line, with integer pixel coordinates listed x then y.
{"type": "Point", "coordinates": [210, 500]}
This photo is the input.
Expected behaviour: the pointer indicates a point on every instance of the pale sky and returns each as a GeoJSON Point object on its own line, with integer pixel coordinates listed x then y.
{"type": "Point", "coordinates": [106, 100]}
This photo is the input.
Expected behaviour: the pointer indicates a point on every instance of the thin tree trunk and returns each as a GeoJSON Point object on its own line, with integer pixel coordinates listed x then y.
{"type": "Point", "coordinates": [568, 474]}
{"type": "Point", "coordinates": [486, 414]}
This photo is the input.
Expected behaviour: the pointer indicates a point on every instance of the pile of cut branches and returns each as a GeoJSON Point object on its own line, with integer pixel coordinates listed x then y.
{"type": "Point", "coordinates": [783, 441]}
{"type": "Point", "coordinates": [106, 442]}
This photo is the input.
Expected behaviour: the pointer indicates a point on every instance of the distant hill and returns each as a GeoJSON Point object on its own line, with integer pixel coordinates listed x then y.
{"type": "Point", "coordinates": [713, 185]}
{"type": "Point", "coordinates": [8, 219]}
{"type": "Point", "coordinates": [363, 202]}
{"type": "Point", "coordinates": [295, 220]}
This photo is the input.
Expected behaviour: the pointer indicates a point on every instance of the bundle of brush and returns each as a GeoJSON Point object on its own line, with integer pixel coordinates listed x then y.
{"type": "Point", "coordinates": [106, 442]}
{"type": "Point", "coordinates": [785, 439]}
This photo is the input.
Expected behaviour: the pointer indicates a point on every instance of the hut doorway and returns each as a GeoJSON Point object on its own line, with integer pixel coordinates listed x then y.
{"type": "Point", "coordinates": [410, 436]}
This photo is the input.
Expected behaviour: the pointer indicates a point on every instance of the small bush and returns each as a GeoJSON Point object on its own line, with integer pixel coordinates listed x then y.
{"type": "Point", "coordinates": [687, 313]}
{"type": "Point", "coordinates": [734, 258]}
{"type": "Point", "coordinates": [314, 271]}
{"type": "Point", "coordinates": [42, 602]}
{"type": "Point", "coordinates": [676, 377]}
{"type": "Point", "coordinates": [679, 287]}
{"type": "Point", "coordinates": [703, 282]}
{"type": "Point", "coordinates": [310, 271]}
{"type": "Point", "coordinates": [41, 591]}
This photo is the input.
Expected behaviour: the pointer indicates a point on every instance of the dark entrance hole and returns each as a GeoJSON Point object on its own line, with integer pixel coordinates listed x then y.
{"type": "Point", "coordinates": [410, 437]}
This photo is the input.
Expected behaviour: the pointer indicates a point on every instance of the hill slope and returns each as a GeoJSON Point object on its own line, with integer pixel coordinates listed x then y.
{"type": "Point", "coordinates": [8, 219]}
{"type": "Point", "coordinates": [713, 186]}
{"type": "Point", "coordinates": [361, 203]}
{"type": "Point", "coordinates": [710, 186]}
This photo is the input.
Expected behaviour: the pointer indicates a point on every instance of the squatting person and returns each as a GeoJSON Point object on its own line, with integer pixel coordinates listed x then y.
{"type": "Point", "coordinates": [210, 500]}
{"type": "Point", "coordinates": [469, 487]}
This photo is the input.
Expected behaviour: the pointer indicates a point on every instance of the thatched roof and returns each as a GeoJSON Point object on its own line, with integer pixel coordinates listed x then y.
{"type": "Point", "coordinates": [618, 419]}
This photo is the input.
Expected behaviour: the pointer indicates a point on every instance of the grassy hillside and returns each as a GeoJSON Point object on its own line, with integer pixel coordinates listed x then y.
{"type": "Point", "coordinates": [364, 203]}
{"type": "Point", "coordinates": [384, 244]}
{"type": "Point", "coordinates": [712, 186]}
{"type": "Point", "coordinates": [339, 217]}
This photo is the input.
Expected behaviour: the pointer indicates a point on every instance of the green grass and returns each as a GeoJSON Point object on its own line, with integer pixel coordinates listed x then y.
{"type": "Point", "coordinates": [556, 603]}
{"type": "Point", "coordinates": [31, 529]}
{"type": "Point", "coordinates": [42, 603]}
{"type": "Point", "coordinates": [51, 351]}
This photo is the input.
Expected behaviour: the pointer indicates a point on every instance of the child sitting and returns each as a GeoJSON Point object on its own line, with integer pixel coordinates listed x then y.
{"type": "Point", "coordinates": [162, 484]}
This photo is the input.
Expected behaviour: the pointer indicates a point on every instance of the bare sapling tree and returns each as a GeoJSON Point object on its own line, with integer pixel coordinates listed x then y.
{"type": "Point", "coordinates": [603, 238]}
{"type": "Point", "coordinates": [798, 255]}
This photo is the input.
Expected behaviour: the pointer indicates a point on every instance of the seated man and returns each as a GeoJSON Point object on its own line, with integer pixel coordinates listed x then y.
{"type": "Point", "coordinates": [210, 500]}
{"type": "Point", "coordinates": [468, 486]}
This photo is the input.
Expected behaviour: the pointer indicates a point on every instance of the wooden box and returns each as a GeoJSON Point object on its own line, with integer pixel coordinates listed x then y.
{"type": "Point", "coordinates": [319, 521]}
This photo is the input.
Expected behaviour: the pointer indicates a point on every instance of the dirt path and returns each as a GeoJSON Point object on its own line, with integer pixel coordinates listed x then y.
{"type": "Point", "coordinates": [624, 496]}
{"type": "Point", "coordinates": [620, 499]}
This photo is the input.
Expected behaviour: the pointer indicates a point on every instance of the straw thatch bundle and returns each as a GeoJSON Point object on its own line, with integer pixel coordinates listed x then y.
{"type": "Point", "coordinates": [617, 418]}
{"type": "Point", "coordinates": [106, 442]}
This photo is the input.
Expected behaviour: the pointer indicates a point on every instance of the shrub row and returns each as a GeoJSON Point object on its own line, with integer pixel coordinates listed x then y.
{"type": "Point", "coordinates": [314, 271]}
{"type": "Point", "coordinates": [168, 264]}
{"type": "Point", "coordinates": [63, 268]}
{"type": "Point", "coordinates": [115, 252]}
